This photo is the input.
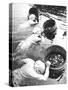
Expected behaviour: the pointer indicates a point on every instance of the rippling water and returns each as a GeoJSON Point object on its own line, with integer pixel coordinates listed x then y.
{"type": "Point", "coordinates": [21, 35]}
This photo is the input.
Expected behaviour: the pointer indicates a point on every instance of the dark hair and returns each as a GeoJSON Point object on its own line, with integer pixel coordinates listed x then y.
{"type": "Point", "coordinates": [34, 11]}
{"type": "Point", "coordinates": [50, 28]}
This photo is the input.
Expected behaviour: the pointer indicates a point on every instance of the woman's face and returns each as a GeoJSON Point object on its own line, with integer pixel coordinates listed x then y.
{"type": "Point", "coordinates": [39, 66]}
{"type": "Point", "coordinates": [32, 17]}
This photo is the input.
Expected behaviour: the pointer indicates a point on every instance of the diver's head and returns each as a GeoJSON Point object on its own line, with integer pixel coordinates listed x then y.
{"type": "Point", "coordinates": [33, 12]}
{"type": "Point", "coordinates": [50, 28]}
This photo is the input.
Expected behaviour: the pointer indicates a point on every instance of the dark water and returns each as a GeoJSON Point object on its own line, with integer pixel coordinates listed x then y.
{"type": "Point", "coordinates": [56, 10]}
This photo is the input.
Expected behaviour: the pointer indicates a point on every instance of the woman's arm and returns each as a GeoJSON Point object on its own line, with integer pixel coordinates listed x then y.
{"type": "Point", "coordinates": [26, 24]}
{"type": "Point", "coordinates": [46, 75]}
{"type": "Point", "coordinates": [26, 44]}
{"type": "Point", "coordinates": [37, 76]}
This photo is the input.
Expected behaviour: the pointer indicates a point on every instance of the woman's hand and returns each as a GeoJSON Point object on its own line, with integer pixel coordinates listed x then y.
{"type": "Point", "coordinates": [48, 63]}
{"type": "Point", "coordinates": [32, 22]}
{"type": "Point", "coordinates": [33, 39]}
